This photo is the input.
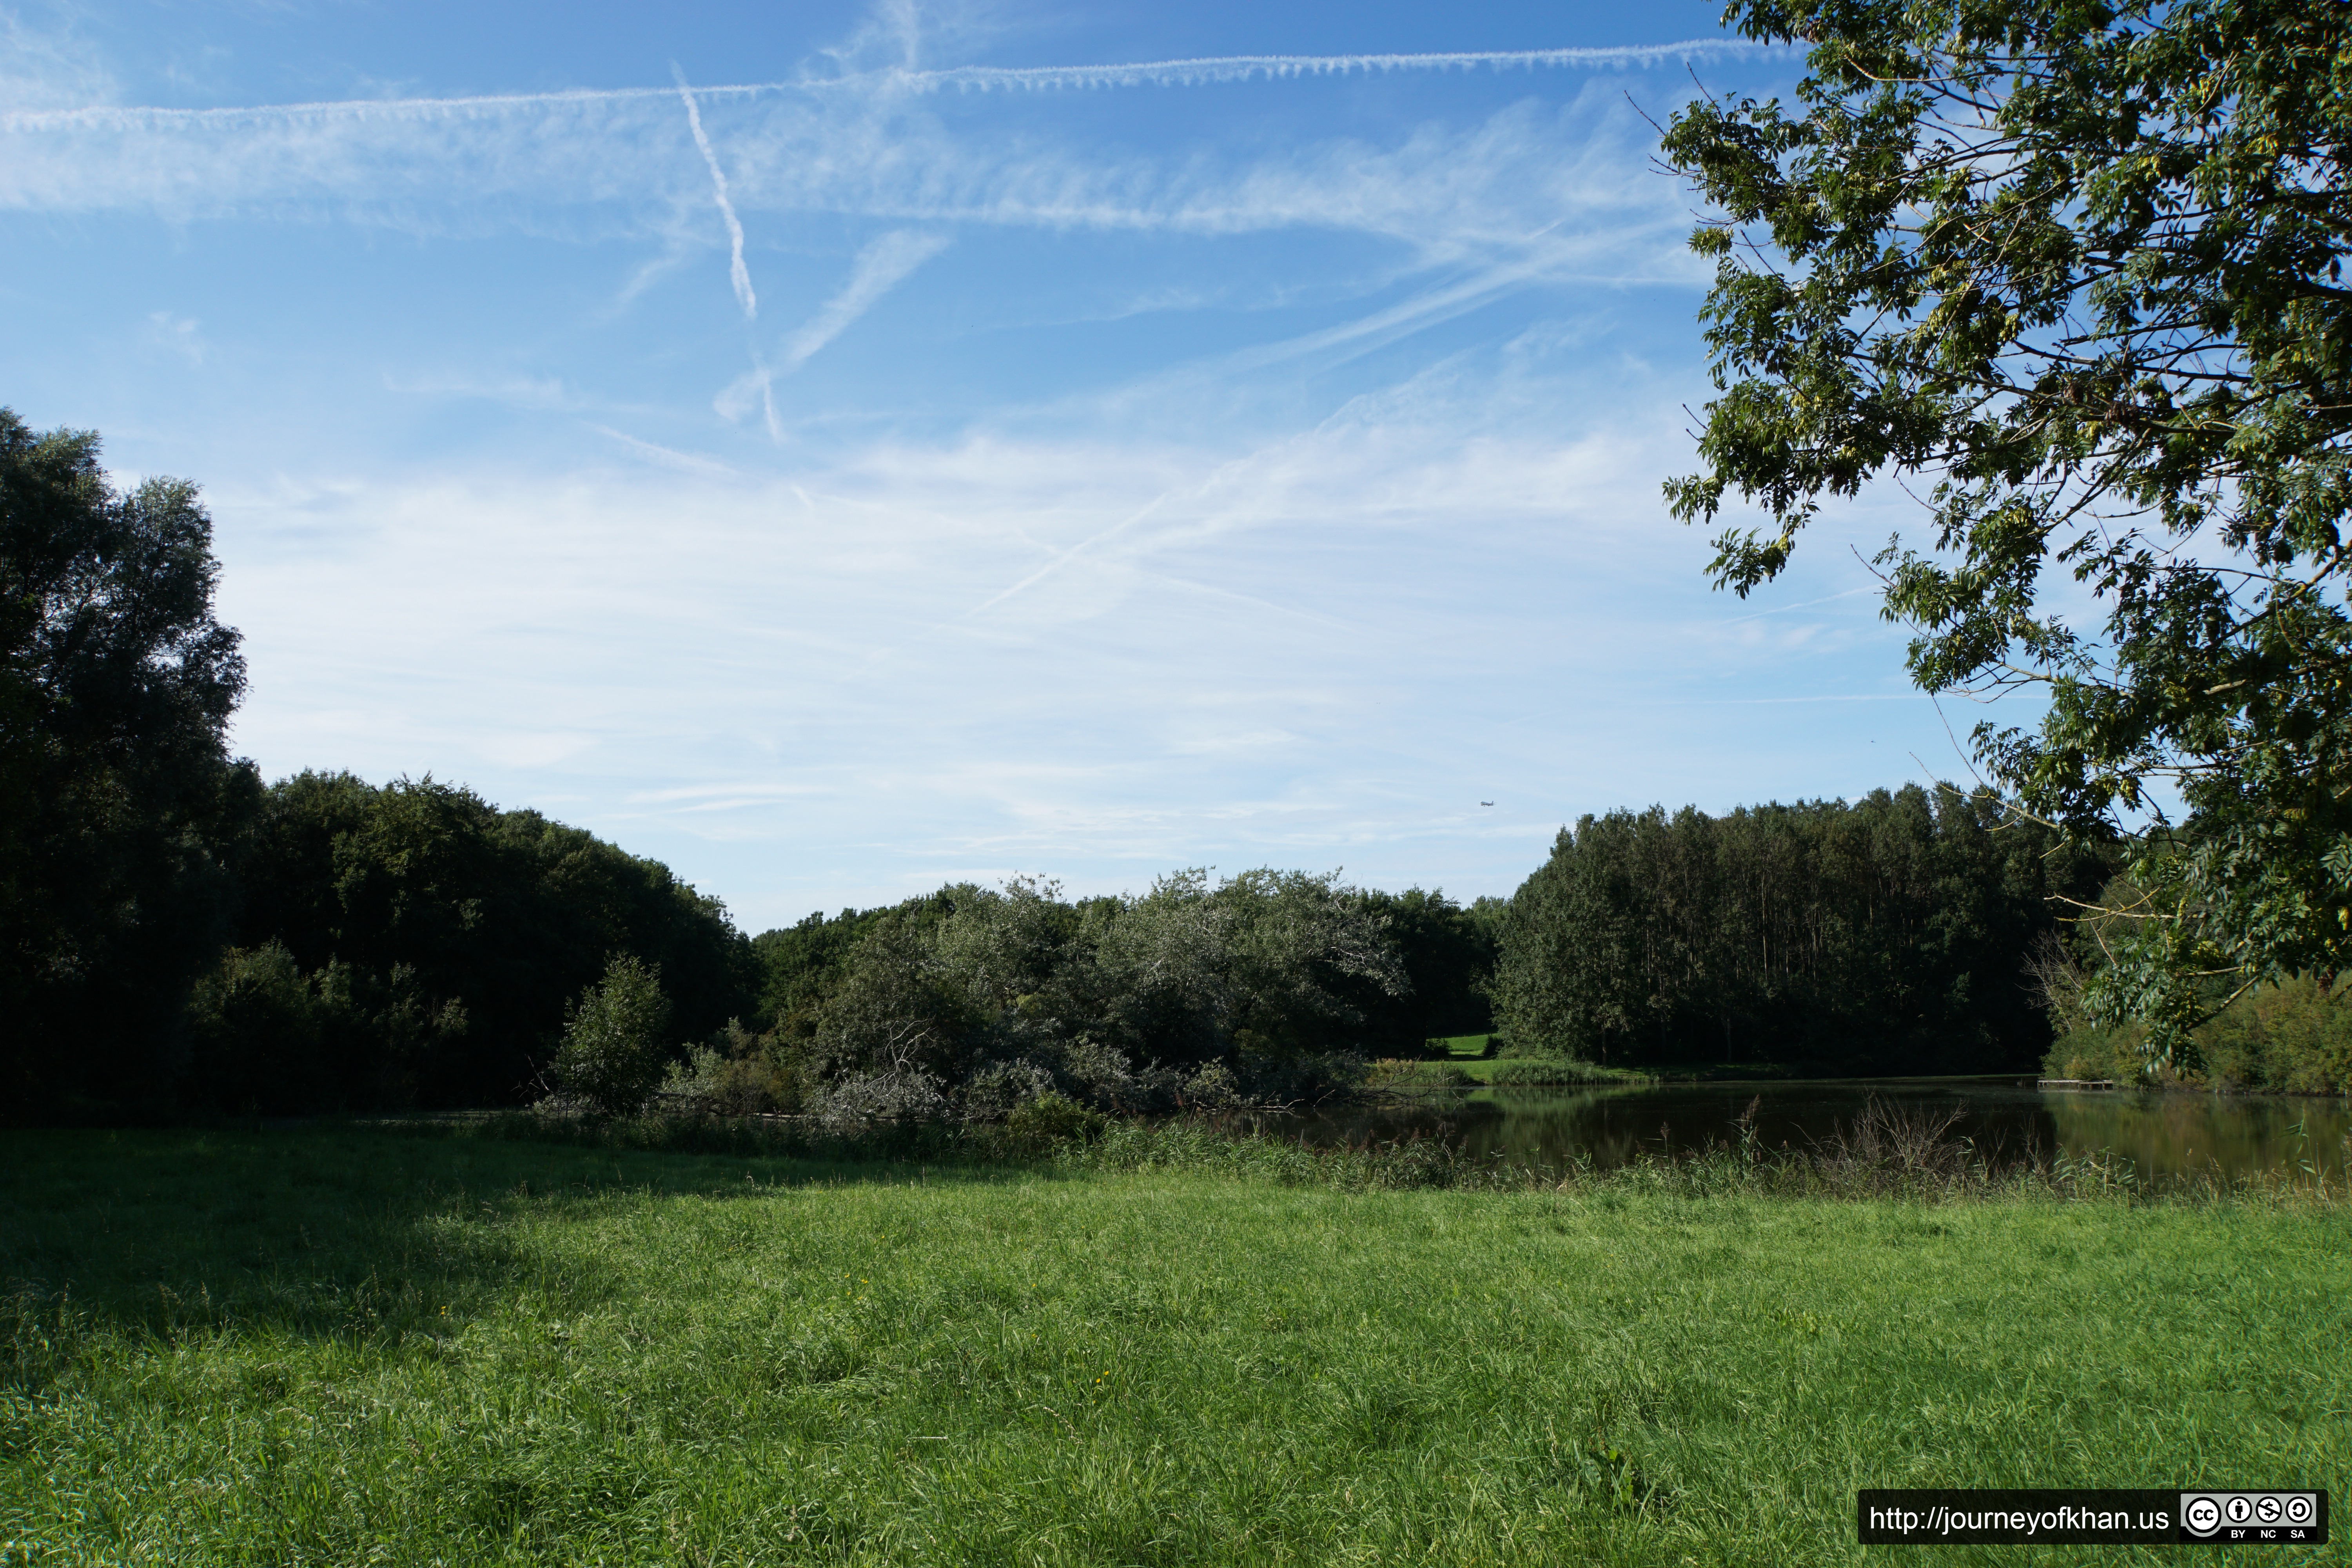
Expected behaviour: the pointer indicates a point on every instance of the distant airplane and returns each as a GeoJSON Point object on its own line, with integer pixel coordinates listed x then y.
{"type": "Point", "coordinates": [1485, 803]}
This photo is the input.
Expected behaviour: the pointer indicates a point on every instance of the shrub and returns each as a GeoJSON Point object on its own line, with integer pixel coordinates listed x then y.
{"type": "Point", "coordinates": [1052, 1119]}
{"type": "Point", "coordinates": [2289, 1039]}
{"type": "Point", "coordinates": [999, 1088]}
{"type": "Point", "coordinates": [2295, 1038]}
{"type": "Point", "coordinates": [267, 1037]}
{"type": "Point", "coordinates": [1396, 1073]}
{"type": "Point", "coordinates": [737, 1074]}
{"type": "Point", "coordinates": [848, 1103]}
{"type": "Point", "coordinates": [258, 1032]}
{"type": "Point", "coordinates": [1547, 1072]}
{"type": "Point", "coordinates": [614, 1054]}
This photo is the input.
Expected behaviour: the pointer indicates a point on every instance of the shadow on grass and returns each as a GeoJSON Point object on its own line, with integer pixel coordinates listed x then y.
{"type": "Point", "coordinates": [383, 1232]}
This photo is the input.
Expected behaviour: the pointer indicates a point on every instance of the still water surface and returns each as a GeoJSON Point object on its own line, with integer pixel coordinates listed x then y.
{"type": "Point", "coordinates": [2162, 1133]}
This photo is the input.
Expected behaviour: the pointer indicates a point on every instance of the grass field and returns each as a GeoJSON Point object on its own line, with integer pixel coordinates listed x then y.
{"type": "Point", "coordinates": [353, 1345]}
{"type": "Point", "coordinates": [1459, 1046]}
{"type": "Point", "coordinates": [1466, 1055]}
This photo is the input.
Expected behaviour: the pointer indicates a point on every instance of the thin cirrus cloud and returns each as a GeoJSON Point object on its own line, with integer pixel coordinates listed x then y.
{"type": "Point", "coordinates": [1202, 71]}
{"type": "Point", "coordinates": [1261, 464]}
{"type": "Point", "coordinates": [1101, 658]}
{"type": "Point", "coordinates": [880, 267]}
{"type": "Point", "coordinates": [614, 146]}
{"type": "Point", "coordinates": [738, 273]}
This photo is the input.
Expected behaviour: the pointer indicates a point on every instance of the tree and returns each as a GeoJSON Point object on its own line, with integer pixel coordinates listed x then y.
{"type": "Point", "coordinates": [1446, 952]}
{"type": "Point", "coordinates": [502, 914]}
{"type": "Point", "coordinates": [117, 794]}
{"type": "Point", "coordinates": [615, 1047]}
{"type": "Point", "coordinates": [1890, 935]}
{"type": "Point", "coordinates": [2078, 268]}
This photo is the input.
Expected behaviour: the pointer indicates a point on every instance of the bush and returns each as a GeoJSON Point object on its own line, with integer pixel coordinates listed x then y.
{"type": "Point", "coordinates": [265, 1038]}
{"type": "Point", "coordinates": [1051, 1119]}
{"type": "Point", "coordinates": [2289, 1039]}
{"type": "Point", "coordinates": [2094, 1051]}
{"type": "Point", "coordinates": [2295, 1038]}
{"type": "Point", "coordinates": [1547, 1072]}
{"type": "Point", "coordinates": [1393, 1072]}
{"type": "Point", "coordinates": [999, 1088]}
{"type": "Point", "coordinates": [614, 1054]}
{"type": "Point", "coordinates": [737, 1074]}
{"type": "Point", "coordinates": [902, 1095]}
{"type": "Point", "coordinates": [259, 1031]}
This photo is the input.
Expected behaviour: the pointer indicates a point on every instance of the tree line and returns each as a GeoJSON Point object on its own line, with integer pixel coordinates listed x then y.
{"type": "Point", "coordinates": [178, 937]}
{"type": "Point", "coordinates": [1268, 986]}
{"type": "Point", "coordinates": [1887, 936]}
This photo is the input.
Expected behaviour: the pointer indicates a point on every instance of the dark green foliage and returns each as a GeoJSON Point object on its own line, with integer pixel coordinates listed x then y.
{"type": "Point", "coordinates": [1052, 1119]}
{"type": "Point", "coordinates": [1446, 952]}
{"type": "Point", "coordinates": [505, 912]}
{"type": "Point", "coordinates": [738, 1073]}
{"type": "Point", "coordinates": [269, 1039]}
{"type": "Point", "coordinates": [2295, 1037]}
{"type": "Point", "coordinates": [615, 1041]}
{"type": "Point", "coordinates": [116, 790]}
{"type": "Point", "coordinates": [1887, 936]}
{"type": "Point", "coordinates": [798, 964]}
{"type": "Point", "coordinates": [972, 1001]}
{"type": "Point", "coordinates": [2079, 269]}
{"type": "Point", "coordinates": [359, 947]}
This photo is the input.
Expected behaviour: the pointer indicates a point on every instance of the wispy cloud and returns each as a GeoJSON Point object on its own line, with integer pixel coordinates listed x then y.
{"type": "Point", "coordinates": [667, 456]}
{"type": "Point", "coordinates": [49, 69]}
{"type": "Point", "coordinates": [1277, 648]}
{"type": "Point", "coordinates": [737, 273]}
{"type": "Point", "coordinates": [180, 334]}
{"type": "Point", "coordinates": [879, 268]}
{"type": "Point", "coordinates": [1203, 72]}
{"type": "Point", "coordinates": [865, 145]}
{"type": "Point", "coordinates": [1217, 68]}
{"type": "Point", "coordinates": [542, 392]}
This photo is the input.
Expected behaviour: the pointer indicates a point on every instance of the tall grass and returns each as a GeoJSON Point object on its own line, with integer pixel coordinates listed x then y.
{"type": "Point", "coordinates": [1887, 1151]}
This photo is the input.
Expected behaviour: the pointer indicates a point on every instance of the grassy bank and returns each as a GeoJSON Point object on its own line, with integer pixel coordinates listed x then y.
{"type": "Point", "coordinates": [317, 1345]}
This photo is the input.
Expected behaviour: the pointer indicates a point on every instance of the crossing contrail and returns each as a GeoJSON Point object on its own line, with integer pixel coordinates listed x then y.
{"type": "Point", "coordinates": [1216, 69]}
{"type": "Point", "coordinates": [1205, 71]}
{"type": "Point", "coordinates": [737, 272]}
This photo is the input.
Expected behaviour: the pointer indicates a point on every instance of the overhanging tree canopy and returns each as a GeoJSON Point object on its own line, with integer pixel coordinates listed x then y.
{"type": "Point", "coordinates": [2078, 269]}
{"type": "Point", "coordinates": [116, 687]}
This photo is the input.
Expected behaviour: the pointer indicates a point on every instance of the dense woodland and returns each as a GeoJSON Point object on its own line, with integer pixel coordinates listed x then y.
{"type": "Point", "coordinates": [178, 938]}
{"type": "Point", "coordinates": [1890, 935]}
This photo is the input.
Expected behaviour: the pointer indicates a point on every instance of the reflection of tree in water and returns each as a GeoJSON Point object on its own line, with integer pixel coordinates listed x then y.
{"type": "Point", "coordinates": [2196, 1132]}
{"type": "Point", "coordinates": [2161, 1134]}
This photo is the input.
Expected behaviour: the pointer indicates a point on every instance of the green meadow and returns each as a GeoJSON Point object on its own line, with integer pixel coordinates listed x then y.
{"type": "Point", "coordinates": [353, 1344]}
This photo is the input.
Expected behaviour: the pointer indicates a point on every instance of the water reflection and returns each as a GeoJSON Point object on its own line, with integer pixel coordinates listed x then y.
{"type": "Point", "coordinates": [2163, 1134]}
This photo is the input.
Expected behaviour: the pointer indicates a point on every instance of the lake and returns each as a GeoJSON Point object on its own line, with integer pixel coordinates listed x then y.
{"type": "Point", "coordinates": [2162, 1133]}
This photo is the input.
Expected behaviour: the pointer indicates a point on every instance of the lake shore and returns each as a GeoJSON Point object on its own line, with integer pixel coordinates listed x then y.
{"type": "Point", "coordinates": [234, 1347]}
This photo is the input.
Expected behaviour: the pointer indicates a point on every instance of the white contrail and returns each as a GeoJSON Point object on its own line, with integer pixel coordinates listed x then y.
{"type": "Point", "coordinates": [1145, 73]}
{"type": "Point", "coordinates": [740, 275]}
{"type": "Point", "coordinates": [1244, 68]}
{"type": "Point", "coordinates": [879, 268]}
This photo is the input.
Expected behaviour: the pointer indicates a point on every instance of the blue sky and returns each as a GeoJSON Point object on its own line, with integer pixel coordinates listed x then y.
{"type": "Point", "coordinates": [838, 449]}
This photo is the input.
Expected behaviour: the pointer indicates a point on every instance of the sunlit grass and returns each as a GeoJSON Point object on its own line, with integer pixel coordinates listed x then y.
{"type": "Point", "coordinates": [350, 1345]}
